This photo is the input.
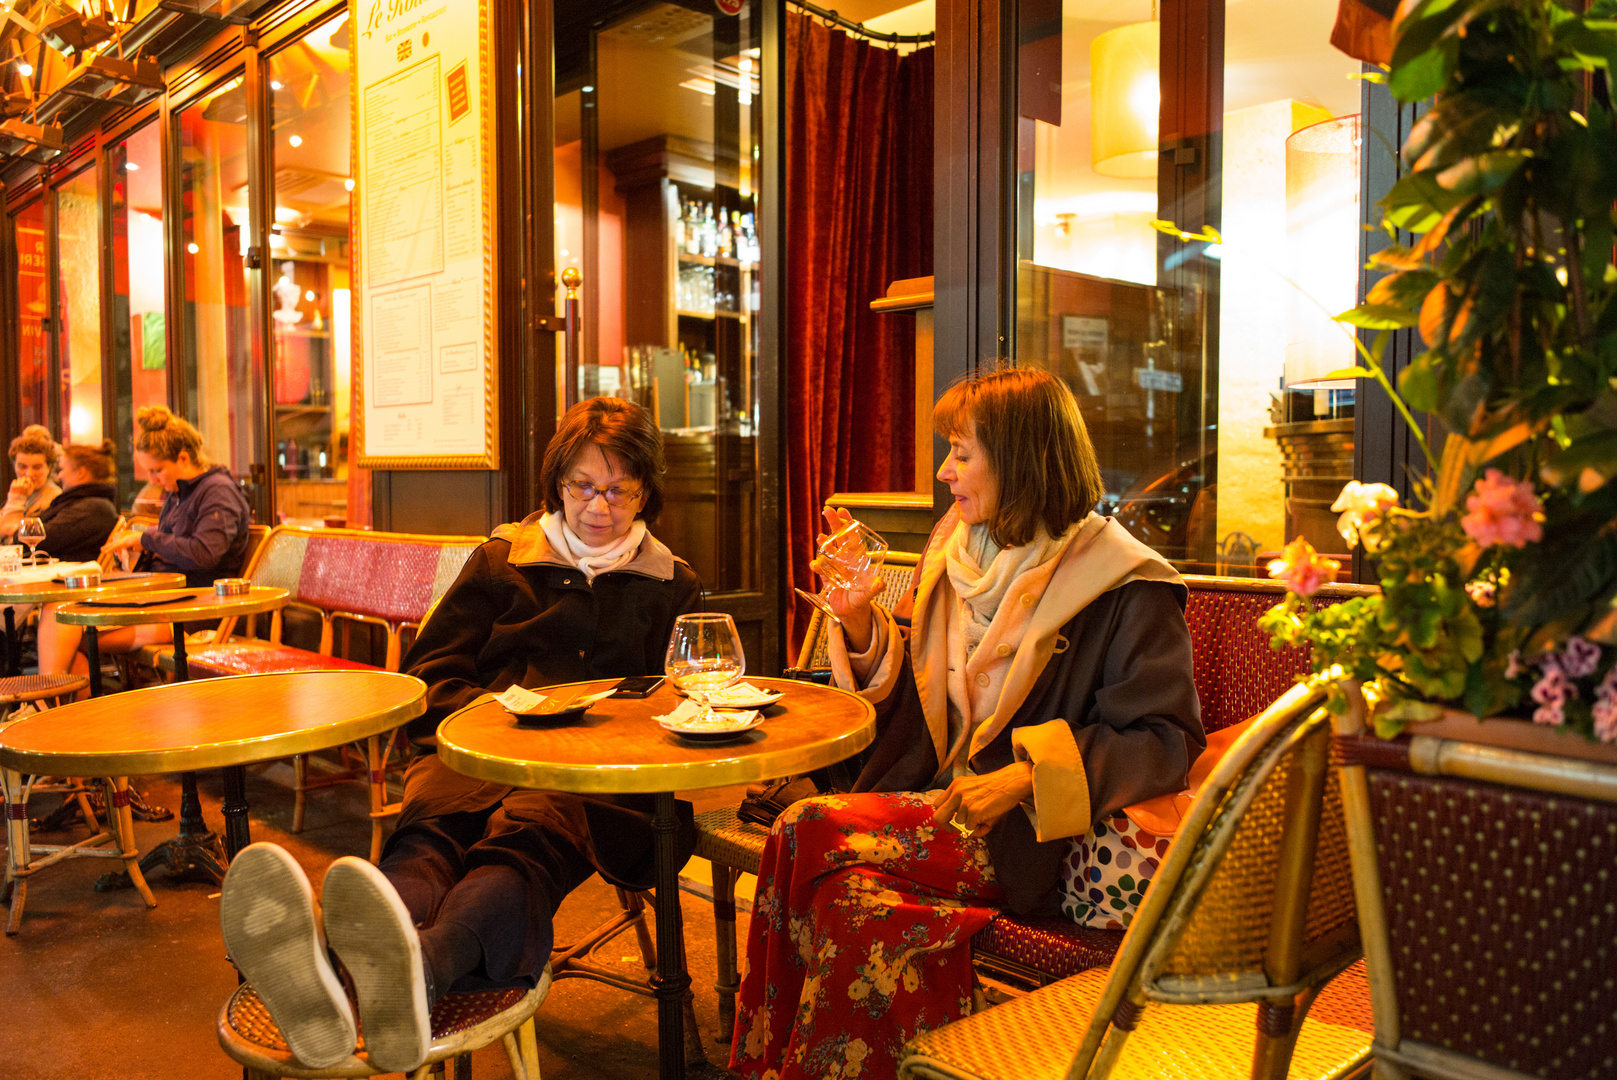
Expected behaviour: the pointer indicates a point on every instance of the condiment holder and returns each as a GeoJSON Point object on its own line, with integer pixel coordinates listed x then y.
{"type": "Point", "coordinates": [84, 579]}
{"type": "Point", "coordinates": [232, 586]}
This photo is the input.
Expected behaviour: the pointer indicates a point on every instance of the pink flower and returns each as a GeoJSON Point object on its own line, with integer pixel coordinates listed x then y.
{"type": "Point", "coordinates": [1358, 504]}
{"type": "Point", "coordinates": [1580, 657]}
{"type": "Point", "coordinates": [1302, 568]}
{"type": "Point", "coordinates": [1481, 592]}
{"type": "Point", "coordinates": [1503, 511]}
{"type": "Point", "coordinates": [1551, 692]}
{"type": "Point", "coordinates": [1605, 708]}
{"type": "Point", "coordinates": [1513, 664]}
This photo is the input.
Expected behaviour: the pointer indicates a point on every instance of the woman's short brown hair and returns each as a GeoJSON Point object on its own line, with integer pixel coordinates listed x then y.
{"type": "Point", "coordinates": [98, 461]}
{"type": "Point", "coordinates": [35, 440]}
{"type": "Point", "coordinates": [163, 435]}
{"type": "Point", "coordinates": [625, 434]}
{"type": "Point", "coordinates": [1027, 424]}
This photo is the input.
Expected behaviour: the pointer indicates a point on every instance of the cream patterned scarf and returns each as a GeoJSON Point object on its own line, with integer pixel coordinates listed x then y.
{"type": "Point", "coordinates": [592, 561]}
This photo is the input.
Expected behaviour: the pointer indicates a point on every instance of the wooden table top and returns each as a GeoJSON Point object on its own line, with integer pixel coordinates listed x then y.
{"type": "Point", "coordinates": [210, 723]}
{"type": "Point", "coordinates": [203, 604]}
{"type": "Point", "coordinates": [54, 592]}
{"type": "Point", "coordinates": [619, 747]}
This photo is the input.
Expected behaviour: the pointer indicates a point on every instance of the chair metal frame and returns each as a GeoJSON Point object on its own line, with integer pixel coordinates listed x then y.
{"type": "Point", "coordinates": [1165, 932]}
{"type": "Point", "coordinates": [1396, 1057]}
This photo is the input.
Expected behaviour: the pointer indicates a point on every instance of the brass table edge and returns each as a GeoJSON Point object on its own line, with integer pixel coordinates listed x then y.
{"type": "Point", "coordinates": [21, 594]}
{"type": "Point", "coordinates": [220, 755]}
{"type": "Point", "coordinates": [249, 604]}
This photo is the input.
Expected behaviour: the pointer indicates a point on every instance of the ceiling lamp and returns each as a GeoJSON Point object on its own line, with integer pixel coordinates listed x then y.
{"type": "Point", "coordinates": [37, 142]}
{"type": "Point", "coordinates": [1125, 99]}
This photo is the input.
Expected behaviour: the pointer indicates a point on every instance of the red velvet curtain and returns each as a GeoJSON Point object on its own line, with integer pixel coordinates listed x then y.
{"type": "Point", "coordinates": [858, 217]}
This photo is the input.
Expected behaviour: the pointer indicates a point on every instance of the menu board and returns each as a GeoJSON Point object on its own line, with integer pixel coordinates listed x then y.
{"type": "Point", "coordinates": [424, 238]}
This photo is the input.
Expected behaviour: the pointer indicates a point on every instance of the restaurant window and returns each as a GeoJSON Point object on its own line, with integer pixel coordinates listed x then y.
{"type": "Point", "coordinates": [657, 157]}
{"type": "Point", "coordinates": [139, 346]}
{"type": "Point", "coordinates": [219, 351]}
{"type": "Point", "coordinates": [78, 297]}
{"type": "Point", "coordinates": [1198, 365]}
{"type": "Point", "coordinates": [309, 250]}
{"type": "Point", "coordinates": [33, 316]}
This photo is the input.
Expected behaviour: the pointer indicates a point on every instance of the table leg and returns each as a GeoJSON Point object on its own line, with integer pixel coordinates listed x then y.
{"type": "Point", "coordinates": [182, 666]}
{"type": "Point", "coordinates": [13, 645]}
{"type": "Point", "coordinates": [671, 980]}
{"type": "Point", "coordinates": [237, 835]}
{"type": "Point", "coordinates": [92, 653]}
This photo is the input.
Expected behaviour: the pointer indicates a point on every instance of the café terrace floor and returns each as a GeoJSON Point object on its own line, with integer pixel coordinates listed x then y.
{"type": "Point", "coordinates": [97, 985]}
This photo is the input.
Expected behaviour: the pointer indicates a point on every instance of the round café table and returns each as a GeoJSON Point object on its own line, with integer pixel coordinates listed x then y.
{"type": "Point", "coordinates": [617, 747]}
{"type": "Point", "coordinates": [196, 847]}
{"type": "Point", "coordinates": [224, 723]}
{"type": "Point", "coordinates": [52, 591]}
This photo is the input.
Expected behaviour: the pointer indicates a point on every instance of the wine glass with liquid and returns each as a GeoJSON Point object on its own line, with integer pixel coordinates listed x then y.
{"type": "Point", "coordinates": [704, 655]}
{"type": "Point", "coordinates": [32, 533]}
{"type": "Point", "coordinates": [847, 558]}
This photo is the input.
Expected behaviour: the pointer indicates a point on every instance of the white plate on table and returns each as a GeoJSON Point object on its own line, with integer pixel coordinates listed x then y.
{"type": "Point", "coordinates": [741, 696]}
{"type": "Point", "coordinates": [691, 721]}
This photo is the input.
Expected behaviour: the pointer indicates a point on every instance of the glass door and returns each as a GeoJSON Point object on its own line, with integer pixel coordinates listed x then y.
{"type": "Point", "coordinates": [78, 302]}
{"type": "Point", "coordinates": [139, 345]}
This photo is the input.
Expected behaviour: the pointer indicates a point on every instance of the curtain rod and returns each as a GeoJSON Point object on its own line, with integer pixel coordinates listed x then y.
{"type": "Point", "coordinates": [860, 28]}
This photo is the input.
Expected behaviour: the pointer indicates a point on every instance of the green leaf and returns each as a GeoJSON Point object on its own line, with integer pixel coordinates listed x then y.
{"type": "Point", "coordinates": [1418, 202]}
{"type": "Point", "coordinates": [1567, 570]}
{"type": "Point", "coordinates": [1378, 317]}
{"type": "Point", "coordinates": [1459, 125]}
{"type": "Point", "coordinates": [1423, 73]}
{"type": "Point", "coordinates": [1351, 373]}
{"type": "Point", "coordinates": [1418, 384]}
{"type": "Point", "coordinates": [1482, 174]}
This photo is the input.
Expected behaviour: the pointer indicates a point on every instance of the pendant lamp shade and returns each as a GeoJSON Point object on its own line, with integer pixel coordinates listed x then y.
{"type": "Point", "coordinates": [1125, 100]}
{"type": "Point", "coordinates": [1322, 233]}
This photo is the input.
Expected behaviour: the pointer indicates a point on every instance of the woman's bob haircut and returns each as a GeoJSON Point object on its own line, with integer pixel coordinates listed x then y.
{"type": "Point", "coordinates": [1027, 423]}
{"type": "Point", "coordinates": [625, 434]}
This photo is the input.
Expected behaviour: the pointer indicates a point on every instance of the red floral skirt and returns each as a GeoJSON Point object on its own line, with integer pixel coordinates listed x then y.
{"type": "Point", "coordinates": [860, 937]}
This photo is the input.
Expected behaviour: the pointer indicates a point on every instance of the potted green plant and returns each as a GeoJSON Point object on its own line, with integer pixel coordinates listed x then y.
{"type": "Point", "coordinates": [1499, 593]}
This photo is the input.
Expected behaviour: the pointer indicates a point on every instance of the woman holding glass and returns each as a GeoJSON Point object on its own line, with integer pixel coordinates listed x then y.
{"type": "Point", "coordinates": [34, 455]}
{"type": "Point", "coordinates": [1045, 684]}
{"type": "Point", "coordinates": [580, 591]}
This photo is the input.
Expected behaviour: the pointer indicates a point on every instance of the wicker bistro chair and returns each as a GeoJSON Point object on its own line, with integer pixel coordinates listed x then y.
{"type": "Point", "coordinates": [1487, 882]}
{"type": "Point", "coordinates": [461, 1023]}
{"type": "Point", "coordinates": [1250, 917]}
{"type": "Point", "coordinates": [24, 858]}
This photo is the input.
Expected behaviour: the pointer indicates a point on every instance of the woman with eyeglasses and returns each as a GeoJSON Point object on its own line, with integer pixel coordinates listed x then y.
{"type": "Point", "coordinates": [579, 591]}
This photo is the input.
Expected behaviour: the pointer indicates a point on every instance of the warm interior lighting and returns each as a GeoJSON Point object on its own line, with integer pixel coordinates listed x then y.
{"type": "Point", "coordinates": [130, 166]}
{"type": "Point", "coordinates": [1125, 100]}
{"type": "Point", "coordinates": [192, 248]}
{"type": "Point", "coordinates": [275, 85]}
{"type": "Point", "coordinates": [296, 140]}
{"type": "Point", "coordinates": [25, 69]}
{"type": "Point", "coordinates": [349, 184]}
{"type": "Point", "coordinates": [1322, 235]}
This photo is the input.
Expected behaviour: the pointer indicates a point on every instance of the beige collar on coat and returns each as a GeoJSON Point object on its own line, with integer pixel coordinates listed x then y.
{"type": "Point", "coordinates": [1100, 557]}
{"type": "Point", "coordinates": [530, 547]}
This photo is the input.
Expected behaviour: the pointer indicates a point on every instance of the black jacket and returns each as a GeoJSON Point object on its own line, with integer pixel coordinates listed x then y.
{"type": "Point", "coordinates": [202, 531]}
{"type": "Point", "coordinates": [78, 522]}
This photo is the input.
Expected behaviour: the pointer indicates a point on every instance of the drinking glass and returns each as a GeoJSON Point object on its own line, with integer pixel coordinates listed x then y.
{"type": "Point", "coordinates": [704, 655]}
{"type": "Point", "coordinates": [847, 558]}
{"type": "Point", "coordinates": [32, 533]}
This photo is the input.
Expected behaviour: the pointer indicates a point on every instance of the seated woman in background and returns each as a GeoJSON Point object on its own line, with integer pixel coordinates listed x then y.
{"type": "Point", "coordinates": [201, 533]}
{"type": "Point", "coordinates": [79, 520]}
{"type": "Point", "coordinates": [1046, 683]}
{"type": "Point", "coordinates": [469, 882]}
{"type": "Point", "coordinates": [34, 455]}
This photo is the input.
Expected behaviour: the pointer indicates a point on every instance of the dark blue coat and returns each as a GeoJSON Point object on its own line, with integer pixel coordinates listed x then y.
{"type": "Point", "coordinates": [202, 531]}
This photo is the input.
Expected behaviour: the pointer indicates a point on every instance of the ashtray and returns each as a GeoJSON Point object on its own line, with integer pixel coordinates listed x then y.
{"type": "Point", "coordinates": [84, 579]}
{"type": "Point", "coordinates": [232, 586]}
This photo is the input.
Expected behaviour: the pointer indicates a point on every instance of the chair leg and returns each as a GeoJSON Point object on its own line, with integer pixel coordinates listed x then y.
{"type": "Point", "coordinates": [122, 824]}
{"type": "Point", "coordinates": [635, 904]}
{"type": "Point", "coordinates": [513, 1055]}
{"type": "Point", "coordinates": [300, 777]}
{"type": "Point", "coordinates": [695, 1052]}
{"type": "Point", "coordinates": [724, 932]}
{"type": "Point", "coordinates": [17, 847]}
{"type": "Point", "coordinates": [1124, 1020]}
{"type": "Point", "coordinates": [376, 765]}
{"type": "Point", "coordinates": [87, 811]}
{"type": "Point", "coordinates": [528, 1038]}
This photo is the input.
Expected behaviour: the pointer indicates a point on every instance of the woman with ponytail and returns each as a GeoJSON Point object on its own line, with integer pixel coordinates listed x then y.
{"type": "Point", "coordinates": [79, 520]}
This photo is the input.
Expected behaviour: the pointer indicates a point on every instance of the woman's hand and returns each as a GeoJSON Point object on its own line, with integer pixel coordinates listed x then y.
{"type": "Point", "coordinates": [852, 604]}
{"type": "Point", "coordinates": [977, 802]}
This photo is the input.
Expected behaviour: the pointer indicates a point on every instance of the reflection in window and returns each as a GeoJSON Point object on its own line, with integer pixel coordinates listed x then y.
{"type": "Point", "coordinates": [309, 247]}
{"type": "Point", "coordinates": [139, 343]}
{"type": "Point", "coordinates": [220, 354]}
{"type": "Point", "coordinates": [1178, 353]}
{"type": "Point", "coordinates": [33, 316]}
{"type": "Point", "coordinates": [78, 254]}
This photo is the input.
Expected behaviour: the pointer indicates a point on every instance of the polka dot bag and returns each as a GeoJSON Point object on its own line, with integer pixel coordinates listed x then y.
{"type": "Point", "coordinates": [1107, 871]}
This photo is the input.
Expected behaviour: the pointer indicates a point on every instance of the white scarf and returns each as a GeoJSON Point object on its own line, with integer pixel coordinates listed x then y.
{"type": "Point", "coordinates": [592, 561]}
{"type": "Point", "coordinates": [980, 590]}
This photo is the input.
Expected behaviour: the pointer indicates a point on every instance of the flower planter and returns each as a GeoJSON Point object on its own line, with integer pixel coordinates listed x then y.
{"type": "Point", "coordinates": [1485, 870]}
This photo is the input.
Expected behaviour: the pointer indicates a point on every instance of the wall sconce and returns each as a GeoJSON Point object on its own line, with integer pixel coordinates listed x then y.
{"type": "Point", "coordinates": [73, 33]}
{"type": "Point", "coordinates": [1125, 100]}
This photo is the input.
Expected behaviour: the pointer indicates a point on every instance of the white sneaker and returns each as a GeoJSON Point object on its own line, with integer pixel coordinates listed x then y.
{"type": "Point", "coordinates": [272, 931]}
{"type": "Point", "coordinates": [370, 929]}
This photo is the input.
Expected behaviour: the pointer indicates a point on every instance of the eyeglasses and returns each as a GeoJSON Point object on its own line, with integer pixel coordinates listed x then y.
{"type": "Point", "coordinates": [614, 496]}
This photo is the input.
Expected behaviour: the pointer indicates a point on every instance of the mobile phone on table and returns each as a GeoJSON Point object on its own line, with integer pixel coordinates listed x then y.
{"type": "Point", "coordinates": [638, 686]}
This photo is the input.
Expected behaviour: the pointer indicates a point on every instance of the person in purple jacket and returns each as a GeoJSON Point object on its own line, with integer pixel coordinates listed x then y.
{"type": "Point", "coordinates": [201, 533]}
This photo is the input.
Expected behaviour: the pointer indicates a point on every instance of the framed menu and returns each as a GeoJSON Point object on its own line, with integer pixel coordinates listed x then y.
{"type": "Point", "coordinates": [424, 298]}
